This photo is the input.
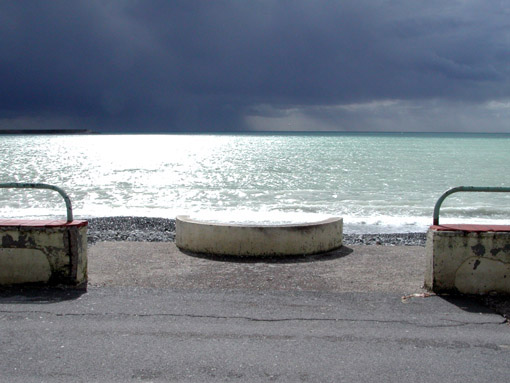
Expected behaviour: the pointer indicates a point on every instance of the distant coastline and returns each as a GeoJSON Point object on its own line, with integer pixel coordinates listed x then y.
{"type": "Point", "coordinates": [46, 131]}
{"type": "Point", "coordinates": [255, 133]}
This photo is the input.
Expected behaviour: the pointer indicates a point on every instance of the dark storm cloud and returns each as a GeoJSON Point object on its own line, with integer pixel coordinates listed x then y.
{"type": "Point", "coordinates": [206, 65]}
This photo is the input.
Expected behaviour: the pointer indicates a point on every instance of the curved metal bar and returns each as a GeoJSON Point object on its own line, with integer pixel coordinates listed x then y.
{"type": "Point", "coordinates": [465, 189]}
{"type": "Point", "coordinates": [16, 185]}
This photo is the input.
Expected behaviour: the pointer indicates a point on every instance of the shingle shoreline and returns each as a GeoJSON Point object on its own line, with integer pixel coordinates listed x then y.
{"type": "Point", "coordinates": [146, 229]}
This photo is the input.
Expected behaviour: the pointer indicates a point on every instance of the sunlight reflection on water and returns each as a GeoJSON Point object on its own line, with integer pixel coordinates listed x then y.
{"type": "Point", "coordinates": [377, 183]}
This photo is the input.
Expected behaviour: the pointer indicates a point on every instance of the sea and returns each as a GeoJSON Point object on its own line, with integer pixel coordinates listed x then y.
{"type": "Point", "coordinates": [378, 182]}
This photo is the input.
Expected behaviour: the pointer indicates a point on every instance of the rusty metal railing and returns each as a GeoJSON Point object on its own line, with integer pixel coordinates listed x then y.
{"type": "Point", "coordinates": [16, 185]}
{"type": "Point", "coordinates": [465, 189]}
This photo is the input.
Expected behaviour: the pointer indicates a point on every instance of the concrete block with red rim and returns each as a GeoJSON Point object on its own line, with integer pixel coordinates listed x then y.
{"type": "Point", "coordinates": [468, 259]}
{"type": "Point", "coordinates": [43, 252]}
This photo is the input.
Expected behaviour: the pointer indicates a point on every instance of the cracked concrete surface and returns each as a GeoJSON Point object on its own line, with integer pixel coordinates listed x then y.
{"type": "Point", "coordinates": [152, 313]}
{"type": "Point", "coordinates": [453, 323]}
{"type": "Point", "coordinates": [125, 333]}
{"type": "Point", "coordinates": [352, 268]}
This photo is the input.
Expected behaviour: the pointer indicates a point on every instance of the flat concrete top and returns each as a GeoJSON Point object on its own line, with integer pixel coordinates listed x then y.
{"type": "Point", "coordinates": [40, 223]}
{"type": "Point", "coordinates": [348, 269]}
{"type": "Point", "coordinates": [210, 222]}
{"type": "Point", "coordinates": [471, 228]}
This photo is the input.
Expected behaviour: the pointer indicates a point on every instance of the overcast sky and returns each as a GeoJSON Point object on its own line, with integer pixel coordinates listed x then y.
{"type": "Point", "coordinates": [213, 65]}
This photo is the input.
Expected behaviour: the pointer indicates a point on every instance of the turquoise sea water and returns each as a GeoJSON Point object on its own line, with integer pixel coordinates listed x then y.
{"type": "Point", "coordinates": [377, 182]}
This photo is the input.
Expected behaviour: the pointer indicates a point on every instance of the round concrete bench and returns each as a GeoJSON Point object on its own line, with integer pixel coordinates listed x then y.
{"type": "Point", "coordinates": [258, 240]}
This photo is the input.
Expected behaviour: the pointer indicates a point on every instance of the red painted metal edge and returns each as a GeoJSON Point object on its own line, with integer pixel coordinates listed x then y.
{"type": "Point", "coordinates": [471, 228]}
{"type": "Point", "coordinates": [41, 223]}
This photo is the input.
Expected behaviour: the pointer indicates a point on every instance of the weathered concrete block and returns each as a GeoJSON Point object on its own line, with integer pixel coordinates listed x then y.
{"type": "Point", "coordinates": [469, 262]}
{"type": "Point", "coordinates": [43, 252]}
{"type": "Point", "coordinates": [258, 240]}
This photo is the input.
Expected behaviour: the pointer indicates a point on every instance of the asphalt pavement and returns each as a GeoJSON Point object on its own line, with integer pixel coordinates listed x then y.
{"type": "Point", "coordinates": [154, 314]}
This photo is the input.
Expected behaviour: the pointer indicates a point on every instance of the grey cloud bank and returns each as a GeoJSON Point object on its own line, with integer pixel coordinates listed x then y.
{"type": "Point", "coordinates": [268, 65]}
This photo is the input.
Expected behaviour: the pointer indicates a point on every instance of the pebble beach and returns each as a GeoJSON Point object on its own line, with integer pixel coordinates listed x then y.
{"type": "Point", "coordinates": [146, 229]}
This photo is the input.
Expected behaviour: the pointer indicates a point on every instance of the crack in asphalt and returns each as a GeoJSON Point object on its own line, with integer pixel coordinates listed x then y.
{"type": "Point", "coordinates": [253, 319]}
